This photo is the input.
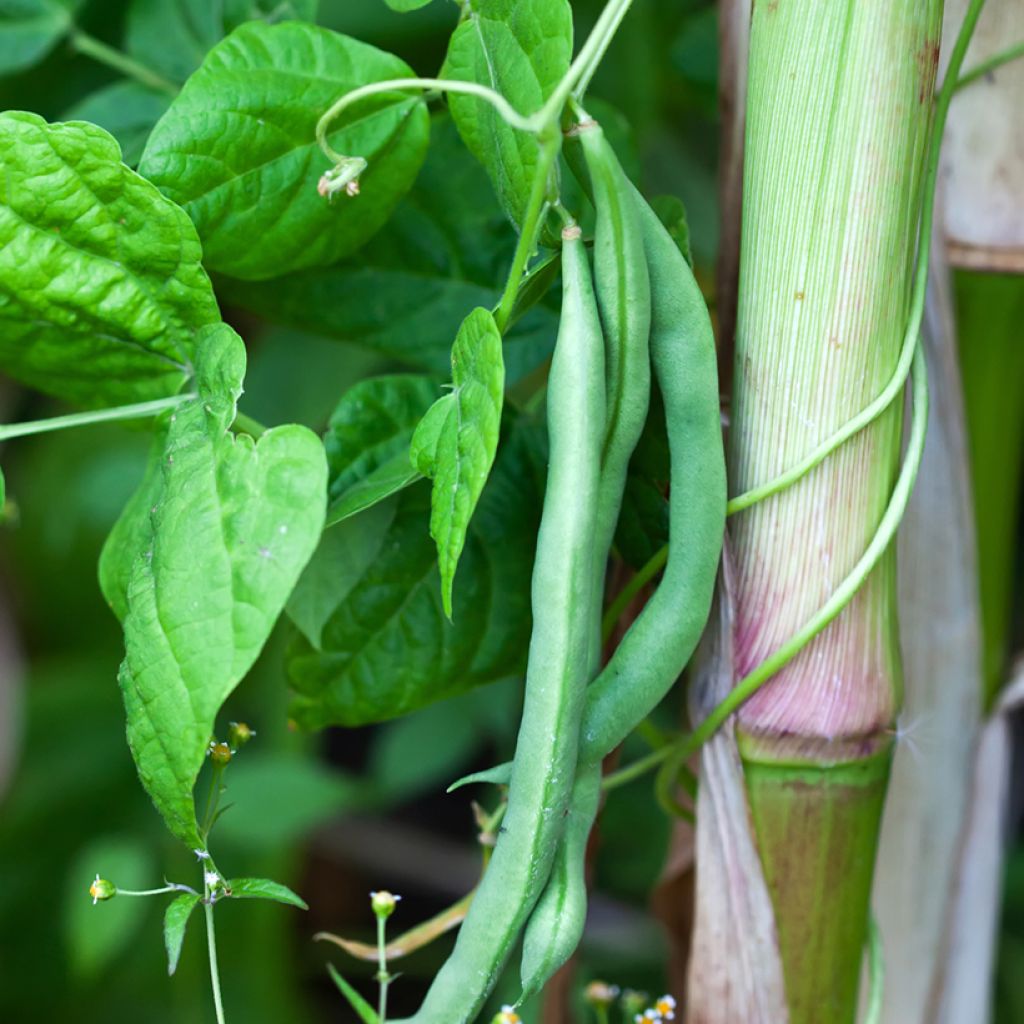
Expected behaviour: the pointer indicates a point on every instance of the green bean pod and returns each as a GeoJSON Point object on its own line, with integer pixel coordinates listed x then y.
{"type": "Point", "coordinates": [660, 642]}
{"type": "Point", "coordinates": [656, 648]}
{"type": "Point", "coordinates": [624, 298]}
{"type": "Point", "coordinates": [556, 924]}
{"type": "Point", "coordinates": [556, 678]}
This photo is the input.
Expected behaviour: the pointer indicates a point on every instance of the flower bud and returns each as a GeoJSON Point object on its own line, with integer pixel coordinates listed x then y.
{"type": "Point", "coordinates": [101, 889]}
{"type": "Point", "coordinates": [600, 993]}
{"type": "Point", "coordinates": [383, 903]}
{"type": "Point", "coordinates": [220, 753]}
{"type": "Point", "coordinates": [506, 1015]}
{"type": "Point", "coordinates": [239, 734]}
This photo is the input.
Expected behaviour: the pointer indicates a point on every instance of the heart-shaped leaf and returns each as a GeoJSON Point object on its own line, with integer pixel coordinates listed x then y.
{"type": "Point", "coordinates": [101, 287]}
{"type": "Point", "coordinates": [237, 148]}
{"type": "Point", "coordinates": [456, 441]}
{"type": "Point", "coordinates": [232, 524]}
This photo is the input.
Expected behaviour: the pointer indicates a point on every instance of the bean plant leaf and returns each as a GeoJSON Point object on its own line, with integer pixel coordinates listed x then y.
{"type": "Point", "coordinates": [363, 1009]}
{"type": "Point", "coordinates": [28, 31]}
{"type": "Point", "coordinates": [175, 921]}
{"type": "Point", "coordinates": [231, 526]}
{"type": "Point", "coordinates": [384, 646]}
{"type": "Point", "coordinates": [264, 889]}
{"type": "Point", "coordinates": [127, 110]}
{"type": "Point", "coordinates": [444, 251]}
{"type": "Point", "coordinates": [457, 440]}
{"type": "Point", "coordinates": [101, 287]}
{"type": "Point", "coordinates": [131, 533]}
{"type": "Point", "coordinates": [237, 148]}
{"type": "Point", "coordinates": [368, 438]}
{"type": "Point", "coordinates": [173, 36]}
{"type": "Point", "coordinates": [521, 49]}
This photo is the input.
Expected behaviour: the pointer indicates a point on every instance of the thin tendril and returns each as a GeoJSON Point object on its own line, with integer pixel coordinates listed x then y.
{"type": "Point", "coordinates": [997, 60]}
{"type": "Point", "coordinates": [508, 113]}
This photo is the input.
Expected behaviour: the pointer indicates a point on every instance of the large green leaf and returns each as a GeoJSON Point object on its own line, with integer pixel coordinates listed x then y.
{"type": "Point", "coordinates": [101, 287]}
{"type": "Point", "coordinates": [237, 148]}
{"type": "Point", "coordinates": [127, 110]}
{"type": "Point", "coordinates": [28, 30]}
{"type": "Point", "coordinates": [456, 441]}
{"type": "Point", "coordinates": [386, 647]}
{"type": "Point", "coordinates": [173, 36]}
{"type": "Point", "coordinates": [522, 49]}
{"type": "Point", "coordinates": [230, 529]}
{"type": "Point", "coordinates": [367, 441]}
{"type": "Point", "coordinates": [445, 250]}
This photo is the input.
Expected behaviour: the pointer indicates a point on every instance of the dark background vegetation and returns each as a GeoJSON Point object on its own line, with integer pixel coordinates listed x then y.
{"type": "Point", "coordinates": [337, 814]}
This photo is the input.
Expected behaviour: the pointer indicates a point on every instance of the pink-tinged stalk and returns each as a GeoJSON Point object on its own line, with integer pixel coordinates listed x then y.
{"type": "Point", "coordinates": [838, 114]}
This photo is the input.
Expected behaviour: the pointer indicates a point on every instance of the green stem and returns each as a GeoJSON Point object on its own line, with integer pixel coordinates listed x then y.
{"type": "Point", "coordinates": [640, 579]}
{"type": "Point", "coordinates": [583, 67]}
{"type": "Point", "coordinates": [139, 410]}
{"type": "Point", "coordinates": [123, 64]}
{"type": "Point", "coordinates": [535, 208]}
{"type": "Point", "coordinates": [247, 425]}
{"type": "Point", "coordinates": [990, 64]}
{"type": "Point", "coordinates": [211, 942]}
{"type": "Point", "coordinates": [508, 113]}
{"type": "Point", "coordinates": [876, 974]}
{"type": "Point", "coordinates": [383, 978]}
{"type": "Point", "coordinates": [212, 799]}
{"type": "Point", "coordinates": [153, 892]}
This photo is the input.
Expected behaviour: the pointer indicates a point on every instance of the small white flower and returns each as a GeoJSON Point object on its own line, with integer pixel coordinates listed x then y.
{"type": "Point", "coordinates": [211, 878]}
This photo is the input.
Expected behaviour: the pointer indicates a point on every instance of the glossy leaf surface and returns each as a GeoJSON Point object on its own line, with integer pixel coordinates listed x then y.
{"type": "Point", "coordinates": [522, 49]}
{"type": "Point", "coordinates": [101, 287]}
{"type": "Point", "coordinates": [231, 526]}
{"type": "Point", "coordinates": [237, 148]}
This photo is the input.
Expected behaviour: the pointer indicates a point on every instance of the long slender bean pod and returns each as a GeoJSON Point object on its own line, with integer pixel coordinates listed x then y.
{"type": "Point", "coordinates": [562, 596]}
{"type": "Point", "coordinates": [623, 290]}
{"type": "Point", "coordinates": [659, 643]}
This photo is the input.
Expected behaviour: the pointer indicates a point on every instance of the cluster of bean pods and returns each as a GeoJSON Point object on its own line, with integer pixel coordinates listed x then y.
{"type": "Point", "coordinates": [639, 309]}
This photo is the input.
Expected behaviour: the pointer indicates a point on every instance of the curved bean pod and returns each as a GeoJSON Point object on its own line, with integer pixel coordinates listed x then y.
{"type": "Point", "coordinates": [623, 289]}
{"type": "Point", "coordinates": [658, 645]}
{"type": "Point", "coordinates": [660, 642]}
{"type": "Point", "coordinates": [562, 596]}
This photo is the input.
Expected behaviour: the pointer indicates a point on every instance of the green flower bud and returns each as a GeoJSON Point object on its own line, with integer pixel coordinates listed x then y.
{"type": "Point", "coordinates": [220, 753]}
{"type": "Point", "coordinates": [239, 734]}
{"type": "Point", "coordinates": [101, 889]}
{"type": "Point", "coordinates": [383, 902]}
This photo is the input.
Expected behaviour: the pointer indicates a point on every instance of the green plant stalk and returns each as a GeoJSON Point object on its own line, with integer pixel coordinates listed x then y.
{"type": "Point", "coordinates": [211, 944]}
{"type": "Point", "coordinates": [817, 827]}
{"type": "Point", "coordinates": [139, 410]}
{"type": "Point", "coordinates": [121, 63]}
{"type": "Point", "coordinates": [832, 196]}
